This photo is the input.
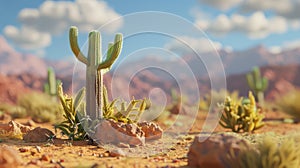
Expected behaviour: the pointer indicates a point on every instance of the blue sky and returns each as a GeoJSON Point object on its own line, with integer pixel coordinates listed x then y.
{"type": "Point", "coordinates": [41, 27]}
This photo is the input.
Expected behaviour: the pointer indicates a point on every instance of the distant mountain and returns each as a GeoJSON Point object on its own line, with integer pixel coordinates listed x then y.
{"type": "Point", "coordinates": [139, 77]}
{"type": "Point", "coordinates": [13, 62]}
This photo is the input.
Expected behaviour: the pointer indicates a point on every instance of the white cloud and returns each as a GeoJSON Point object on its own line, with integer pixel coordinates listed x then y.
{"type": "Point", "coordinates": [27, 38]}
{"type": "Point", "coordinates": [256, 25]}
{"type": "Point", "coordinates": [290, 45]}
{"type": "Point", "coordinates": [55, 17]}
{"type": "Point", "coordinates": [273, 5]}
{"type": "Point", "coordinates": [185, 45]}
{"type": "Point", "coordinates": [222, 4]}
{"type": "Point", "coordinates": [286, 8]}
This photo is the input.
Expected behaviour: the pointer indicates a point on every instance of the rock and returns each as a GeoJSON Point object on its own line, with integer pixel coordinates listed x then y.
{"type": "Point", "coordinates": [116, 153]}
{"type": "Point", "coordinates": [38, 135]}
{"type": "Point", "coordinates": [109, 131]}
{"type": "Point", "coordinates": [152, 130]}
{"type": "Point", "coordinates": [212, 152]}
{"type": "Point", "coordinates": [9, 157]}
{"type": "Point", "coordinates": [13, 130]}
{"type": "Point", "coordinates": [44, 157]}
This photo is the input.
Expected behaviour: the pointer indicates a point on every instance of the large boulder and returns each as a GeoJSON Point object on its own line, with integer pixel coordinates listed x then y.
{"type": "Point", "coordinates": [38, 135]}
{"type": "Point", "coordinates": [212, 152]}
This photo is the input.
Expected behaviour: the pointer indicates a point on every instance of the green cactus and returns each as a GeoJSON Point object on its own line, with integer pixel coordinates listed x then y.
{"type": "Point", "coordinates": [95, 68]}
{"type": "Point", "coordinates": [50, 87]}
{"type": "Point", "coordinates": [258, 84]}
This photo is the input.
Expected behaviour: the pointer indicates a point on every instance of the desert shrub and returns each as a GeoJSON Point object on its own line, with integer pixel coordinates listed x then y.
{"type": "Point", "coordinates": [267, 154]}
{"type": "Point", "coordinates": [14, 111]}
{"type": "Point", "coordinates": [40, 107]}
{"type": "Point", "coordinates": [289, 103]}
{"type": "Point", "coordinates": [219, 97]}
{"type": "Point", "coordinates": [242, 115]}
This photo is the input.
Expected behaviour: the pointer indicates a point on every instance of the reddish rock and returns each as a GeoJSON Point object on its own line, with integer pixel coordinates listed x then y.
{"type": "Point", "coordinates": [13, 129]}
{"type": "Point", "coordinates": [9, 157]}
{"type": "Point", "coordinates": [212, 152]}
{"type": "Point", "coordinates": [109, 131]}
{"type": "Point", "coordinates": [38, 135]}
{"type": "Point", "coordinates": [152, 130]}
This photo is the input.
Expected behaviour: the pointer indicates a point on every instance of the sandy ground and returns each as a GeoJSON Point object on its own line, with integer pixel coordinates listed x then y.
{"type": "Point", "coordinates": [64, 153]}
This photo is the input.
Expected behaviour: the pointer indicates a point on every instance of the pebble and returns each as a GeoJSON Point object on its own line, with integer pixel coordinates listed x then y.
{"type": "Point", "coordinates": [45, 157]}
{"type": "Point", "coordinates": [22, 150]}
{"type": "Point", "coordinates": [38, 148]}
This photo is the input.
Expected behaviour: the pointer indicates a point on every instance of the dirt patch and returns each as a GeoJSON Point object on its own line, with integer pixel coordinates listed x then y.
{"type": "Point", "coordinates": [168, 151]}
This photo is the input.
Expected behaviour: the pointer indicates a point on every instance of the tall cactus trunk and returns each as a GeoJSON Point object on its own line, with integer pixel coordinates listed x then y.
{"type": "Point", "coordinates": [260, 98]}
{"type": "Point", "coordinates": [95, 68]}
{"type": "Point", "coordinates": [93, 106]}
{"type": "Point", "coordinates": [99, 92]}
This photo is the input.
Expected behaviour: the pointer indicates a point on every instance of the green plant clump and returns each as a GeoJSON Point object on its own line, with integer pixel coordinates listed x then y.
{"type": "Point", "coordinates": [77, 125]}
{"type": "Point", "coordinates": [126, 114]}
{"type": "Point", "coordinates": [71, 125]}
{"type": "Point", "coordinates": [267, 154]}
{"type": "Point", "coordinates": [289, 103]}
{"type": "Point", "coordinates": [242, 116]}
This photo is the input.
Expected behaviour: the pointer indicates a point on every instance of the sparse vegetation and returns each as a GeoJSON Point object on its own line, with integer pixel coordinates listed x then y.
{"type": "Point", "coordinates": [219, 97]}
{"type": "Point", "coordinates": [267, 154]}
{"type": "Point", "coordinates": [289, 103]}
{"type": "Point", "coordinates": [241, 116]}
{"type": "Point", "coordinates": [39, 106]}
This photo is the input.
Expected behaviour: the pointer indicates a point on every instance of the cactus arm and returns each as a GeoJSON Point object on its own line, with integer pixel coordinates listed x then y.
{"type": "Point", "coordinates": [115, 51]}
{"type": "Point", "coordinates": [110, 50]}
{"type": "Point", "coordinates": [250, 81]}
{"type": "Point", "coordinates": [265, 84]}
{"type": "Point", "coordinates": [73, 34]}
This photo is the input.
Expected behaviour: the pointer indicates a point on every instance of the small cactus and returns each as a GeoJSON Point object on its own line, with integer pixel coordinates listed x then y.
{"type": "Point", "coordinates": [257, 84]}
{"type": "Point", "coordinates": [95, 68]}
{"type": "Point", "coordinates": [50, 87]}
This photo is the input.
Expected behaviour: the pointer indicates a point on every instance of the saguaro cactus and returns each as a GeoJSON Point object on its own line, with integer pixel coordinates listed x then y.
{"type": "Point", "coordinates": [258, 84]}
{"type": "Point", "coordinates": [95, 67]}
{"type": "Point", "coordinates": [51, 86]}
